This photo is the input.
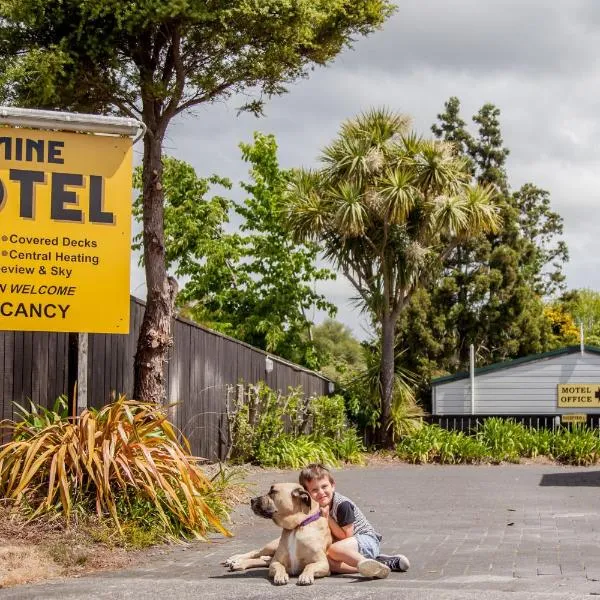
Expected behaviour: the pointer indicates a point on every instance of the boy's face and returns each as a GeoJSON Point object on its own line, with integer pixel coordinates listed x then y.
{"type": "Point", "coordinates": [321, 490]}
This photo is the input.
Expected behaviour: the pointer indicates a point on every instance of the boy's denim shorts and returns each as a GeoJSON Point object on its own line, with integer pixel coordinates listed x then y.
{"type": "Point", "coordinates": [368, 546]}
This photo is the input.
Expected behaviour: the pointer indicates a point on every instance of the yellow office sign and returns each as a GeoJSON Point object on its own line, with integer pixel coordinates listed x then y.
{"type": "Point", "coordinates": [579, 395]}
{"type": "Point", "coordinates": [65, 228]}
{"type": "Point", "coordinates": [574, 418]}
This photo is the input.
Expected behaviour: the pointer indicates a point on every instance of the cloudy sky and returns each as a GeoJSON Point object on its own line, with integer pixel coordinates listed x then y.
{"type": "Point", "coordinates": [536, 60]}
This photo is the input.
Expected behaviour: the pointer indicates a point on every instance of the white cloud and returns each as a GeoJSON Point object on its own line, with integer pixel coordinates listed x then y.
{"type": "Point", "coordinates": [535, 60]}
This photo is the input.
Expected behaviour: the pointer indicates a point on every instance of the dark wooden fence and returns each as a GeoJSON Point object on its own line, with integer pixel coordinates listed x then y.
{"type": "Point", "coordinates": [202, 365]}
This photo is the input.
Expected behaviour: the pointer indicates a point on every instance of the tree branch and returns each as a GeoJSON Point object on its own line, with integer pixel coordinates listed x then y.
{"type": "Point", "coordinates": [175, 63]}
{"type": "Point", "coordinates": [358, 287]}
{"type": "Point", "coordinates": [195, 100]}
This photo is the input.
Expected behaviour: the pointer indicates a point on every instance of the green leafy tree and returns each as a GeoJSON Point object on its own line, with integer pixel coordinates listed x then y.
{"type": "Point", "coordinates": [154, 60]}
{"type": "Point", "coordinates": [386, 208]}
{"type": "Point", "coordinates": [256, 284]}
{"type": "Point", "coordinates": [193, 224]}
{"type": "Point", "coordinates": [583, 307]}
{"type": "Point", "coordinates": [340, 350]}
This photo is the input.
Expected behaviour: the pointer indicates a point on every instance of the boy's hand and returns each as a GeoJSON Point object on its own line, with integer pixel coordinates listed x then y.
{"type": "Point", "coordinates": [325, 511]}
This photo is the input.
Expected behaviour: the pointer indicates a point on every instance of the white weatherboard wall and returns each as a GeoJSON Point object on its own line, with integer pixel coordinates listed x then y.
{"type": "Point", "coordinates": [522, 387]}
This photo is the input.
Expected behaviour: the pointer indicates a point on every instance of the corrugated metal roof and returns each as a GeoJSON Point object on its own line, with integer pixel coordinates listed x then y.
{"type": "Point", "coordinates": [507, 364]}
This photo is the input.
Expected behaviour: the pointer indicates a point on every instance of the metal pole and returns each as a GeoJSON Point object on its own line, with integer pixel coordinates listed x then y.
{"type": "Point", "coordinates": [82, 365]}
{"type": "Point", "coordinates": [472, 376]}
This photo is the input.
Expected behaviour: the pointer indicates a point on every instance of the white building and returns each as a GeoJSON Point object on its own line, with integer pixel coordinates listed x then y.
{"type": "Point", "coordinates": [561, 382]}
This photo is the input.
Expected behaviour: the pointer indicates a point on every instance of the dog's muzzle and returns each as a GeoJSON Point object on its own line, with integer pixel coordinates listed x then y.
{"type": "Point", "coordinates": [263, 507]}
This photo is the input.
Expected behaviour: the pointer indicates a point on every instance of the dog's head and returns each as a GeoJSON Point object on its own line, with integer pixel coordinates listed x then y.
{"type": "Point", "coordinates": [285, 503]}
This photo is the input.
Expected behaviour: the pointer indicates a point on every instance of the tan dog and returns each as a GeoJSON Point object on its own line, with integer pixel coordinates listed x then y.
{"type": "Point", "coordinates": [301, 549]}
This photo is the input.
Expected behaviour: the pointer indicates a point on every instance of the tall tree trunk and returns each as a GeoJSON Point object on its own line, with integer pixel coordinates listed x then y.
{"type": "Point", "coordinates": [155, 334]}
{"type": "Point", "coordinates": [386, 377]}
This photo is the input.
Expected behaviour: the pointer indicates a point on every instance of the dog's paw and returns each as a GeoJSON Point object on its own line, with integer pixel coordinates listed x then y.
{"type": "Point", "coordinates": [281, 578]}
{"type": "Point", "coordinates": [237, 565]}
{"type": "Point", "coordinates": [233, 562]}
{"type": "Point", "coordinates": [306, 579]}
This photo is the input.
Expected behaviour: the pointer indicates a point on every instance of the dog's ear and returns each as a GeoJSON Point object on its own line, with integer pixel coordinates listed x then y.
{"type": "Point", "coordinates": [303, 495]}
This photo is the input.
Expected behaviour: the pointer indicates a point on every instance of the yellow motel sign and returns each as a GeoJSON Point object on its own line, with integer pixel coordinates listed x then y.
{"type": "Point", "coordinates": [65, 229]}
{"type": "Point", "coordinates": [578, 395]}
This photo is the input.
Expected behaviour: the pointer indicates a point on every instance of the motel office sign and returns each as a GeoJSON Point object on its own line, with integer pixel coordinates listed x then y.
{"type": "Point", "coordinates": [65, 229]}
{"type": "Point", "coordinates": [578, 395]}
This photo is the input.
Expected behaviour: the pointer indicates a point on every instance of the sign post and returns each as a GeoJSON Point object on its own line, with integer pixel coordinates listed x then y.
{"type": "Point", "coordinates": [65, 223]}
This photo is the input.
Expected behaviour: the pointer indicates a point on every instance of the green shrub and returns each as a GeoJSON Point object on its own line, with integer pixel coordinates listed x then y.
{"type": "Point", "coordinates": [291, 452]}
{"type": "Point", "coordinates": [431, 443]}
{"type": "Point", "coordinates": [455, 447]}
{"type": "Point", "coordinates": [37, 417]}
{"type": "Point", "coordinates": [576, 446]}
{"type": "Point", "coordinates": [537, 442]}
{"type": "Point", "coordinates": [502, 439]}
{"type": "Point", "coordinates": [328, 416]}
{"type": "Point", "coordinates": [423, 446]}
{"type": "Point", "coordinates": [499, 440]}
{"type": "Point", "coordinates": [349, 448]}
{"type": "Point", "coordinates": [271, 429]}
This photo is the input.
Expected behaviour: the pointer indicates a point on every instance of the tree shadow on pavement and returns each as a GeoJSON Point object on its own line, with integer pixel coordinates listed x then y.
{"type": "Point", "coordinates": [580, 479]}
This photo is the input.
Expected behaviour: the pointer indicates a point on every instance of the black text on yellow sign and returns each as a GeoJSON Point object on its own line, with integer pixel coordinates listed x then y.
{"type": "Point", "coordinates": [65, 228]}
{"type": "Point", "coordinates": [579, 395]}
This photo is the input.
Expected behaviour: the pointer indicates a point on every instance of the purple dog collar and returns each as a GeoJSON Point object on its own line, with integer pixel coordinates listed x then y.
{"type": "Point", "coordinates": [310, 519]}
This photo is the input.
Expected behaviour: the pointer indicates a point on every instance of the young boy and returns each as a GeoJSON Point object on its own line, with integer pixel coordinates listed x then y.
{"type": "Point", "coordinates": [356, 545]}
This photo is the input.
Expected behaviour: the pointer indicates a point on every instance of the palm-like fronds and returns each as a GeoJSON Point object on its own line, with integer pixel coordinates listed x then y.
{"type": "Point", "coordinates": [306, 211]}
{"type": "Point", "coordinates": [378, 126]}
{"type": "Point", "coordinates": [350, 217]}
{"type": "Point", "coordinates": [483, 212]}
{"type": "Point", "coordinates": [450, 215]}
{"type": "Point", "coordinates": [436, 168]}
{"type": "Point", "coordinates": [399, 195]}
{"type": "Point", "coordinates": [347, 158]}
{"type": "Point", "coordinates": [126, 448]}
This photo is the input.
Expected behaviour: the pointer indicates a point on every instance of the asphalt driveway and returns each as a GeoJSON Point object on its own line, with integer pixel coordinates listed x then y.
{"type": "Point", "coordinates": [487, 532]}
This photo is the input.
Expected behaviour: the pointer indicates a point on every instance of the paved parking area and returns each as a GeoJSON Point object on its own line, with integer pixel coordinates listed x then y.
{"type": "Point", "coordinates": [511, 531]}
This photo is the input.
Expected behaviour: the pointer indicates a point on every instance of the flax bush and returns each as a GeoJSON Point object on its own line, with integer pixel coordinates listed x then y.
{"type": "Point", "coordinates": [124, 461]}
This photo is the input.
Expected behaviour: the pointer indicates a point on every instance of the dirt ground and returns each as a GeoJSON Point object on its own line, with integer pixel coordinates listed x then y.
{"type": "Point", "coordinates": [44, 549]}
{"type": "Point", "coordinates": [34, 552]}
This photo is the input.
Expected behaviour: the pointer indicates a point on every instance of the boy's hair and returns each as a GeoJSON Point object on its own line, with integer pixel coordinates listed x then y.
{"type": "Point", "coordinates": [314, 471]}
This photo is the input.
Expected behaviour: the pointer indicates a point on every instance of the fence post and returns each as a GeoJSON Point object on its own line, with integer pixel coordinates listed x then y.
{"type": "Point", "coordinates": [82, 364]}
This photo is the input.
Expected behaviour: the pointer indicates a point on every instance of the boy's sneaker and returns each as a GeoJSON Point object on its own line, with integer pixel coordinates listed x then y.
{"type": "Point", "coordinates": [373, 568]}
{"type": "Point", "coordinates": [396, 562]}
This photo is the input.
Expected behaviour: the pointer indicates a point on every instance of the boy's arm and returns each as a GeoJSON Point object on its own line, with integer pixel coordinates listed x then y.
{"type": "Point", "coordinates": [340, 533]}
{"type": "Point", "coordinates": [345, 528]}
